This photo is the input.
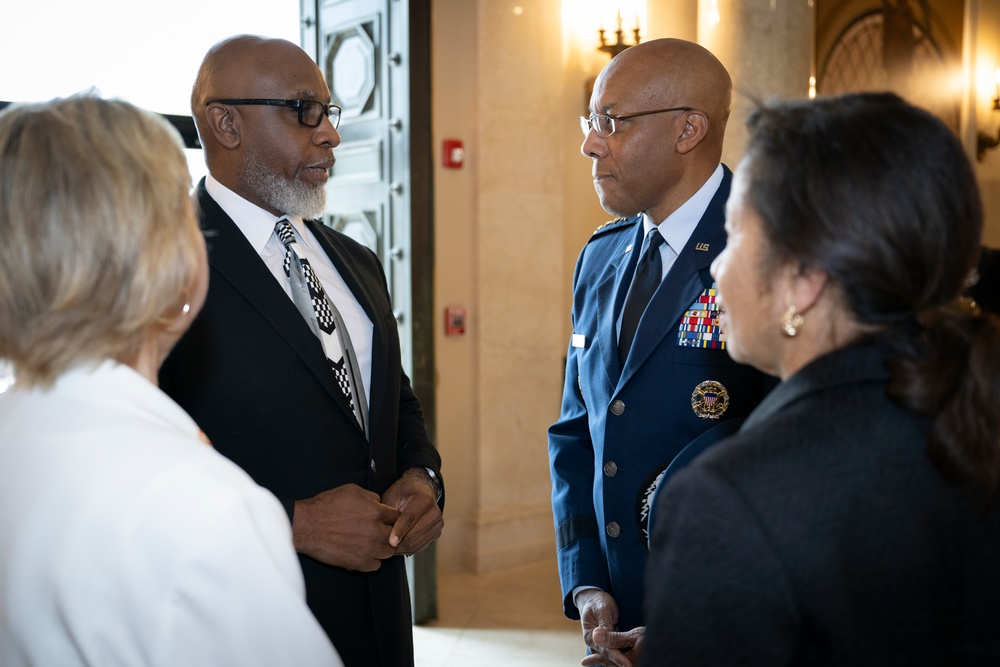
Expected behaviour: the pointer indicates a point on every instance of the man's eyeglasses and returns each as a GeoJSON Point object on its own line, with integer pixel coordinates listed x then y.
{"type": "Point", "coordinates": [311, 113]}
{"type": "Point", "coordinates": [604, 124]}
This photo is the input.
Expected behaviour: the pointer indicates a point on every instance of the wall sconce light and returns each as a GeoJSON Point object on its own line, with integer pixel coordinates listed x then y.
{"type": "Point", "coordinates": [985, 142]}
{"type": "Point", "coordinates": [619, 45]}
{"type": "Point", "coordinates": [611, 49]}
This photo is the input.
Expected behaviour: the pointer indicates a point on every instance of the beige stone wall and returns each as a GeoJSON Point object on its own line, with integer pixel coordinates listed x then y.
{"type": "Point", "coordinates": [455, 115]}
{"type": "Point", "coordinates": [505, 225]}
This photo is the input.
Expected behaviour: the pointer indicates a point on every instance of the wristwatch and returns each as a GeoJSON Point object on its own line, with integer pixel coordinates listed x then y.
{"type": "Point", "coordinates": [438, 489]}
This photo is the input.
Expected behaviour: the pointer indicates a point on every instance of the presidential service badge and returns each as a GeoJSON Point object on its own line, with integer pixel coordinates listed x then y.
{"type": "Point", "coordinates": [709, 399]}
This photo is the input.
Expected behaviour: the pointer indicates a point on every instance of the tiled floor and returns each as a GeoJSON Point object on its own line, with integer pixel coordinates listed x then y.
{"type": "Point", "coordinates": [510, 618]}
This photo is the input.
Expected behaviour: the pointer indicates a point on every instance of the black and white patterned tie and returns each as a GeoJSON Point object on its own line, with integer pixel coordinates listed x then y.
{"type": "Point", "coordinates": [322, 316]}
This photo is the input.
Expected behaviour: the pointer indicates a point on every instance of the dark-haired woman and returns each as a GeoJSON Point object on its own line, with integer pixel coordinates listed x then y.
{"type": "Point", "coordinates": [852, 520]}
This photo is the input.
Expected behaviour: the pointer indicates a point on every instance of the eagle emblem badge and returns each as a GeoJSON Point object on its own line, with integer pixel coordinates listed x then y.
{"type": "Point", "coordinates": [709, 399]}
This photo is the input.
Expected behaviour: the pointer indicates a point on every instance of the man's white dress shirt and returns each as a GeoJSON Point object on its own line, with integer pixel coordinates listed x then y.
{"type": "Point", "coordinates": [257, 226]}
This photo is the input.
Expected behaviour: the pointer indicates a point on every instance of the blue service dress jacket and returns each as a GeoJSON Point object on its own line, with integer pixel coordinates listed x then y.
{"type": "Point", "coordinates": [620, 428]}
{"type": "Point", "coordinates": [822, 534]}
{"type": "Point", "coordinates": [256, 379]}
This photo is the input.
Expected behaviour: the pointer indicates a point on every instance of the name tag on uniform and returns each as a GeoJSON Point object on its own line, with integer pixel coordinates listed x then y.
{"type": "Point", "coordinates": [578, 340]}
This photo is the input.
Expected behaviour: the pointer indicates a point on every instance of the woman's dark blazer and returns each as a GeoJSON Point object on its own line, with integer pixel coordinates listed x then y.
{"type": "Point", "coordinates": [821, 534]}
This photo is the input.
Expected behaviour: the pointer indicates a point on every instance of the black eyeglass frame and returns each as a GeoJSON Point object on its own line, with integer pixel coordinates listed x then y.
{"type": "Point", "coordinates": [298, 105]}
{"type": "Point", "coordinates": [587, 122]}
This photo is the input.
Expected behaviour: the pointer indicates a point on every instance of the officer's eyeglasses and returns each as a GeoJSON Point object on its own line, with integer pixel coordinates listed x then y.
{"type": "Point", "coordinates": [604, 124]}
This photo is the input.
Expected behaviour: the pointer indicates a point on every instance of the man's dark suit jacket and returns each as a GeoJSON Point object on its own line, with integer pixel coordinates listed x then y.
{"type": "Point", "coordinates": [821, 534]}
{"type": "Point", "coordinates": [256, 380]}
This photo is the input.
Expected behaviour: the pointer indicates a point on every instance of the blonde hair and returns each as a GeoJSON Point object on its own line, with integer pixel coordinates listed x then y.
{"type": "Point", "coordinates": [100, 236]}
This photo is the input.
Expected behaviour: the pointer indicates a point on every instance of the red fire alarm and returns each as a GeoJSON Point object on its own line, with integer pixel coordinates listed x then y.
{"type": "Point", "coordinates": [454, 321]}
{"type": "Point", "coordinates": [452, 154]}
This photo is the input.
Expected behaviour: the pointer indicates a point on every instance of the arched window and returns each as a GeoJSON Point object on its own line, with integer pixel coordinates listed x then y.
{"type": "Point", "coordinates": [888, 49]}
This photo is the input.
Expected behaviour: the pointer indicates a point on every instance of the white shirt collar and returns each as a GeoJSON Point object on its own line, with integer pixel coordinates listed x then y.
{"type": "Point", "coordinates": [255, 223]}
{"type": "Point", "coordinates": [680, 225]}
{"type": "Point", "coordinates": [110, 383]}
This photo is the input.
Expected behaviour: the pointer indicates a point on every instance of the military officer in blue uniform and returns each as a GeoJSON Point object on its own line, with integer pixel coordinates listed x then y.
{"type": "Point", "coordinates": [648, 381]}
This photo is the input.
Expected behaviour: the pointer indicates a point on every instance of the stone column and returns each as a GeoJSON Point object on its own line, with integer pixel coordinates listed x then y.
{"type": "Point", "coordinates": [767, 46]}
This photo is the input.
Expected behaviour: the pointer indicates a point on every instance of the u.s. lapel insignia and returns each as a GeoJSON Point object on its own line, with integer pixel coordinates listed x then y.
{"type": "Point", "coordinates": [709, 399]}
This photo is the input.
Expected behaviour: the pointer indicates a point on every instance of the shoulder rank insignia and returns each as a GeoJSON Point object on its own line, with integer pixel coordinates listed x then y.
{"type": "Point", "coordinates": [709, 399]}
{"type": "Point", "coordinates": [609, 223]}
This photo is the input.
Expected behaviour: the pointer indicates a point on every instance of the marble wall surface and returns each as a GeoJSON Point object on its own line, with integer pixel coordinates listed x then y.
{"type": "Point", "coordinates": [500, 226]}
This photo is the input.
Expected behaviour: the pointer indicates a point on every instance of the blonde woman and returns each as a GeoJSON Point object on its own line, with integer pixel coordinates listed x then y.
{"type": "Point", "coordinates": [125, 539]}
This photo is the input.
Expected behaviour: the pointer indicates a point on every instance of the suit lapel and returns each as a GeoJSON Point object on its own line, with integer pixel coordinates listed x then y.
{"type": "Point", "coordinates": [233, 259]}
{"type": "Point", "coordinates": [688, 277]}
{"type": "Point", "coordinates": [611, 289]}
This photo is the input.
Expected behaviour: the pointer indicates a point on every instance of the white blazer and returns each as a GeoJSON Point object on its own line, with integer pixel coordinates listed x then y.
{"type": "Point", "coordinates": [126, 540]}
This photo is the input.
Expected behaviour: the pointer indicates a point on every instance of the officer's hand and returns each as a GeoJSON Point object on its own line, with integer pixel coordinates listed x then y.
{"type": "Point", "coordinates": [598, 611]}
{"type": "Point", "coordinates": [616, 648]}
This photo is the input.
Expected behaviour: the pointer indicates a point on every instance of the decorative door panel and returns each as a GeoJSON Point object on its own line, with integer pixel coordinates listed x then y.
{"type": "Point", "coordinates": [368, 193]}
{"type": "Point", "coordinates": [375, 55]}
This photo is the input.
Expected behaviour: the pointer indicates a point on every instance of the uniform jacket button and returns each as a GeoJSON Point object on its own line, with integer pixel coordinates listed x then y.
{"type": "Point", "coordinates": [614, 530]}
{"type": "Point", "coordinates": [617, 407]}
{"type": "Point", "coordinates": [373, 465]}
{"type": "Point", "coordinates": [610, 468]}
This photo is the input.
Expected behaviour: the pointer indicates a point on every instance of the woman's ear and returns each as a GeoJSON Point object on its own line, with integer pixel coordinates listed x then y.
{"type": "Point", "coordinates": [805, 286]}
{"type": "Point", "coordinates": [694, 132]}
{"type": "Point", "coordinates": [223, 122]}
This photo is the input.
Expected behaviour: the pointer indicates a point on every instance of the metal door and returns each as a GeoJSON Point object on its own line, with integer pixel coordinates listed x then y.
{"type": "Point", "coordinates": [375, 55]}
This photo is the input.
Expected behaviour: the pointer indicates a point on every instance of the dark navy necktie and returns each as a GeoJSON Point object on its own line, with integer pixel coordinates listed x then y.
{"type": "Point", "coordinates": [648, 274]}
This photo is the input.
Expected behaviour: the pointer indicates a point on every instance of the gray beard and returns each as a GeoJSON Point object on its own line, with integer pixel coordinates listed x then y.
{"type": "Point", "coordinates": [280, 194]}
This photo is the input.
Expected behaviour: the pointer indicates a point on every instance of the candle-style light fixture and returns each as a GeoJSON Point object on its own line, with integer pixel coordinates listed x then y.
{"type": "Point", "coordinates": [612, 49]}
{"type": "Point", "coordinates": [985, 142]}
{"type": "Point", "coordinates": [619, 45]}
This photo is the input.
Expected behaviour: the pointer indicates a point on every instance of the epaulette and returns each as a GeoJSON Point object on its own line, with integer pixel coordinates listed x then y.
{"type": "Point", "coordinates": [609, 225]}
